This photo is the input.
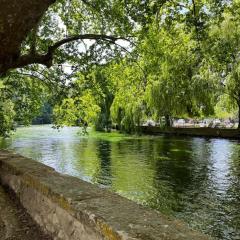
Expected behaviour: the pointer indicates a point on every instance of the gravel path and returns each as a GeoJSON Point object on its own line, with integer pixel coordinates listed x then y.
{"type": "Point", "coordinates": [15, 223]}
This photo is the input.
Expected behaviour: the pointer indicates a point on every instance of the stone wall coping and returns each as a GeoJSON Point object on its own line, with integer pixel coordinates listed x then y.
{"type": "Point", "coordinates": [189, 131]}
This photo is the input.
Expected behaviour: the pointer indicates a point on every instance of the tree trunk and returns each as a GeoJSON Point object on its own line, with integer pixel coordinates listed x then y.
{"type": "Point", "coordinates": [238, 115]}
{"type": "Point", "coordinates": [17, 19]}
{"type": "Point", "coordinates": [168, 121]}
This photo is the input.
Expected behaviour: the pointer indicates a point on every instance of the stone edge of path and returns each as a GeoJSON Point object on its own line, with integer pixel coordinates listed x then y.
{"type": "Point", "coordinates": [69, 208]}
{"type": "Point", "coordinates": [15, 222]}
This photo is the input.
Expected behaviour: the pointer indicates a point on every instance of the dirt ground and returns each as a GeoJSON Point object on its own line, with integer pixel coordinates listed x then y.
{"type": "Point", "coordinates": [15, 223]}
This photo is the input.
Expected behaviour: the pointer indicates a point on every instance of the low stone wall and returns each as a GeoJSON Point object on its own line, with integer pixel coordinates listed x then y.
{"type": "Point", "coordinates": [202, 132]}
{"type": "Point", "coordinates": [69, 208]}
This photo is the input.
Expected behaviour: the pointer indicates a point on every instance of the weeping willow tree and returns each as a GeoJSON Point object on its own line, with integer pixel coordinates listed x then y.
{"type": "Point", "coordinates": [232, 86]}
{"type": "Point", "coordinates": [128, 108]}
{"type": "Point", "coordinates": [224, 56]}
{"type": "Point", "coordinates": [103, 89]}
{"type": "Point", "coordinates": [169, 79]}
{"type": "Point", "coordinates": [178, 84]}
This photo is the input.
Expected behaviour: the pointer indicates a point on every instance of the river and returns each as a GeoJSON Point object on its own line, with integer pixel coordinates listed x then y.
{"type": "Point", "coordinates": [191, 178]}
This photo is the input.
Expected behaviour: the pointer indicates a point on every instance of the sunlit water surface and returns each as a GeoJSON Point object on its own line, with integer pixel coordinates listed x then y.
{"type": "Point", "coordinates": [194, 179]}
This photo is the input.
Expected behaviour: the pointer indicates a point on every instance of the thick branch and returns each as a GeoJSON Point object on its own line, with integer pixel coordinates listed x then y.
{"type": "Point", "coordinates": [83, 37]}
{"type": "Point", "coordinates": [26, 60]}
{"type": "Point", "coordinates": [46, 59]}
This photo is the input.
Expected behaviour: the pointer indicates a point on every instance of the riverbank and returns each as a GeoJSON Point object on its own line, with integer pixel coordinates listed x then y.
{"type": "Point", "coordinates": [15, 223]}
{"type": "Point", "coordinates": [200, 132]}
{"type": "Point", "coordinates": [69, 208]}
{"type": "Point", "coordinates": [194, 179]}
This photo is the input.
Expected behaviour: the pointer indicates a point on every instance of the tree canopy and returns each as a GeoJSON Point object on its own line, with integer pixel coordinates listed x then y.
{"type": "Point", "coordinates": [33, 31]}
{"type": "Point", "coordinates": [114, 62]}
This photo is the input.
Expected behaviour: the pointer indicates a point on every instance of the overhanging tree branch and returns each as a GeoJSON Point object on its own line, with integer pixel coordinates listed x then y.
{"type": "Point", "coordinates": [47, 58]}
{"type": "Point", "coordinates": [82, 37]}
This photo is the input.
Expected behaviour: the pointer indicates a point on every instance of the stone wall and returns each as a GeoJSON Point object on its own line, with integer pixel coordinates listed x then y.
{"type": "Point", "coordinates": [69, 208]}
{"type": "Point", "coordinates": [202, 132]}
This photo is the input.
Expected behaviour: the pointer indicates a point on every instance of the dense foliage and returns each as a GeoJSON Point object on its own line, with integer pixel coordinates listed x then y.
{"type": "Point", "coordinates": [21, 101]}
{"type": "Point", "coordinates": [118, 63]}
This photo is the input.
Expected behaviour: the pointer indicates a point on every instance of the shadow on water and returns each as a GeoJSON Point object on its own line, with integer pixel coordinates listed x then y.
{"type": "Point", "coordinates": [103, 151]}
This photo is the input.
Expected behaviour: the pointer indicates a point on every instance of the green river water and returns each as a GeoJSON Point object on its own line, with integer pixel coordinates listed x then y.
{"type": "Point", "coordinates": [191, 178]}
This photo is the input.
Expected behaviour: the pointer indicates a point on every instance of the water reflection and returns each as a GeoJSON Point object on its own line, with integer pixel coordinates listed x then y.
{"type": "Point", "coordinates": [103, 176]}
{"type": "Point", "coordinates": [195, 179]}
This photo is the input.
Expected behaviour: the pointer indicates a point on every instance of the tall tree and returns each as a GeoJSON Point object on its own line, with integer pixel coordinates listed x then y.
{"type": "Point", "coordinates": [176, 85]}
{"type": "Point", "coordinates": [224, 54]}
